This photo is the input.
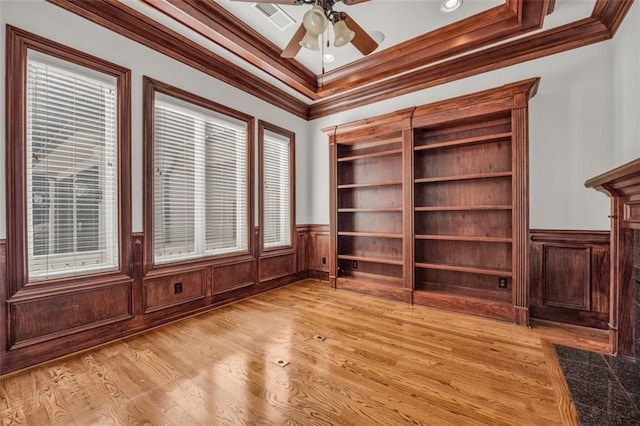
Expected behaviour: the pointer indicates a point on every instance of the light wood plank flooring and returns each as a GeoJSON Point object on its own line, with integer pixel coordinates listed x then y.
{"type": "Point", "coordinates": [381, 362]}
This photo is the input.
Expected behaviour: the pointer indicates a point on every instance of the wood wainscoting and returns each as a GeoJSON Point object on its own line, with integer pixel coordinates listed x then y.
{"type": "Point", "coordinates": [41, 325]}
{"type": "Point", "coordinates": [317, 261]}
{"type": "Point", "coordinates": [569, 276]}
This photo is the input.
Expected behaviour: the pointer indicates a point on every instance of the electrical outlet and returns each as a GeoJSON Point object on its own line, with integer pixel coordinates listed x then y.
{"type": "Point", "coordinates": [355, 264]}
{"type": "Point", "coordinates": [502, 282]}
{"type": "Point", "coordinates": [177, 288]}
{"type": "Point", "coordinates": [324, 260]}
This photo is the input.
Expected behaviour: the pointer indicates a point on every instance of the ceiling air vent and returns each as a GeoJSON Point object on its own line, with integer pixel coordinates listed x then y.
{"type": "Point", "coordinates": [275, 14]}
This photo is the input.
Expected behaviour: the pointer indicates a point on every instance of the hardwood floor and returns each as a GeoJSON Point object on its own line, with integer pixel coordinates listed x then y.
{"type": "Point", "coordinates": [381, 362]}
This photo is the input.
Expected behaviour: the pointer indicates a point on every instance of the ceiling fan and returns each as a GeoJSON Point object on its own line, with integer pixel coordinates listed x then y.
{"type": "Point", "coordinates": [315, 21]}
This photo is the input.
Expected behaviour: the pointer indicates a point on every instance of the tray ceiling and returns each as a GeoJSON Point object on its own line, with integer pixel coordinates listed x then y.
{"type": "Point", "coordinates": [423, 47]}
{"type": "Point", "coordinates": [398, 20]}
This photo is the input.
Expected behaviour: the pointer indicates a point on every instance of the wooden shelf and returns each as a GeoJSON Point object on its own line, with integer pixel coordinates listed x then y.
{"type": "Point", "coordinates": [385, 260]}
{"type": "Point", "coordinates": [369, 234]}
{"type": "Point", "coordinates": [469, 269]}
{"type": "Point", "coordinates": [371, 144]}
{"type": "Point", "coordinates": [464, 177]}
{"type": "Point", "coordinates": [467, 141]}
{"type": "Point", "coordinates": [462, 208]}
{"type": "Point", "coordinates": [370, 185]}
{"type": "Point", "coordinates": [370, 210]}
{"type": "Point", "coordinates": [464, 238]}
{"type": "Point", "coordinates": [373, 278]}
{"type": "Point", "coordinates": [501, 309]}
{"type": "Point", "coordinates": [495, 295]}
{"type": "Point", "coordinates": [371, 155]}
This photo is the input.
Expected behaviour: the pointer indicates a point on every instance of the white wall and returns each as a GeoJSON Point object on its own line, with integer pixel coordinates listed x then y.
{"type": "Point", "coordinates": [626, 85]}
{"type": "Point", "coordinates": [571, 134]}
{"type": "Point", "coordinates": [583, 121]}
{"type": "Point", "coordinates": [56, 24]}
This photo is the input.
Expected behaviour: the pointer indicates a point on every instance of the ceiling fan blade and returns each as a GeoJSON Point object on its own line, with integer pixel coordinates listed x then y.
{"type": "Point", "coordinates": [350, 2]}
{"type": "Point", "coordinates": [293, 47]}
{"type": "Point", "coordinates": [270, 1]}
{"type": "Point", "coordinates": [362, 41]}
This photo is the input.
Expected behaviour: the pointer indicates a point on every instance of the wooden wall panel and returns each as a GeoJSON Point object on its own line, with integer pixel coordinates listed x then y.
{"type": "Point", "coordinates": [3, 296]}
{"type": "Point", "coordinates": [171, 290]}
{"type": "Point", "coordinates": [320, 251]}
{"type": "Point", "coordinates": [304, 247]}
{"type": "Point", "coordinates": [277, 266]}
{"type": "Point", "coordinates": [36, 319]}
{"type": "Point", "coordinates": [569, 277]}
{"type": "Point", "coordinates": [231, 277]}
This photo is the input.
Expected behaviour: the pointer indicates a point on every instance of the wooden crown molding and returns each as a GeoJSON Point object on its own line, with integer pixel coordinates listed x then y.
{"type": "Point", "coordinates": [546, 43]}
{"type": "Point", "coordinates": [623, 181]}
{"type": "Point", "coordinates": [605, 19]}
{"type": "Point", "coordinates": [215, 23]}
{"type": "Point", "coordinates": [218, 25]}
{"type": "Point", "coordinates": [132, 24]}
{"type": "Point", "coordinates": [481, 30]}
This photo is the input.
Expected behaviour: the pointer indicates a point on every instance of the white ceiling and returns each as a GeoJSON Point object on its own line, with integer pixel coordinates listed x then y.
{"type": "Point", "coordinates": [404, 19]}
{"type": "Point", "coordinates": [398, 20]}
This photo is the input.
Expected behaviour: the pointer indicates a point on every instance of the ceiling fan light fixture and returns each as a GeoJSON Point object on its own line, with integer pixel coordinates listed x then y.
{"type": "Point", "coordinates": [343, 34]}
{"type": "Point", "coordinates": [450, 5]}
{"type": "Point", "coordinates": [310, 41]}
{"type": "Point", "coordinates": [314, 20]}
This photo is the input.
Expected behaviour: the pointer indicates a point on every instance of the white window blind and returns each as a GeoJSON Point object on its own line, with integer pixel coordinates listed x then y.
{"type": "Point", "coordinates": [72, 169]}
{"type": "Point", "coordinates": [276, 204]}
{"type": "Point", "coordinates": [200, 182]}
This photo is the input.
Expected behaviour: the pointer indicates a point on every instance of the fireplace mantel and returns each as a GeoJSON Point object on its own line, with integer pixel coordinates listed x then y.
{"type": "Point", "coordinates": [622, 184]}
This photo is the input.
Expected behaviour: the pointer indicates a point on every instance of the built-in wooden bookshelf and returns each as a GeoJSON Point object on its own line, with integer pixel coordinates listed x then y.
{"type": "Point", "coordinates": [463, 208]}
{"type": "Point", "coordinates": [430, 204]}
{"type": "Point", "coordinates": [367, 233]}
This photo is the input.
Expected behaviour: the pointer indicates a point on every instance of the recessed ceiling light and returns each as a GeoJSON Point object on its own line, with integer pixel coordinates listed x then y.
{"type": "Point", "coordinates": [378, 36]}
{"type": "Point", "coordinates": [328, 57]}
{"type": "Point", "coordinates": [450, 5]}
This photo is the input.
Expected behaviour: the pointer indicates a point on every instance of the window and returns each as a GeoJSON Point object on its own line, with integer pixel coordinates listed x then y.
{"type": "Point", "coordinates": [277, 153]}
{"type": "Point", "coordinates": [200, 169]}
{"type": "Point", "coordinates": [66, 166]}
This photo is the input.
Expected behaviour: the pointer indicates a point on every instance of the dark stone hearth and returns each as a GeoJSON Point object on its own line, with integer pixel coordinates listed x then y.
{"type": "Point", "coordinates": [604, 389]}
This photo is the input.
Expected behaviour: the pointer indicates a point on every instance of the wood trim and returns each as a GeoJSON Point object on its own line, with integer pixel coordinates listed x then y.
{"type": "Point", "coordinates": [386, 123]}
{"type": "Point", "coordinates": [621, 313]}
{"type": "Point", "coordinates": [477, 31]}
{"type": "Point", "coordinates": [18, 42]}
{"type": "Point", "coordinates": [262, 127]}
{"type": "Point", "coordinates": [333, 205]}
{"type": "Point", "coordinates": [611, 13]}
{"type": "Point", "coordinates": [118, 17]}
{"type": "Point", "coordinates": [506, 97]}
{"type": "Point", "coordinates": [601, 25]}
{"type": "Point", "coordinates": [150, 88]}
{"type": "Point", "coordinates": [313, 227]}
{"type": "Point", "coordinates": [569, 236]}
{"type": "Point", "coordinates": [137, 261]}
{"type": "Point", "coordinates": [408, 215]}
{"type": "Point", "coordinates": [214, 22]}
{"type": "Point", "coordinates": [4, 295]}
{"type": "Point", "coordinates": [542, 44]}
{"type": "Point", "coordinates": [618, 181]}
{"type": "Point", "coordinates": [520, 200]}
